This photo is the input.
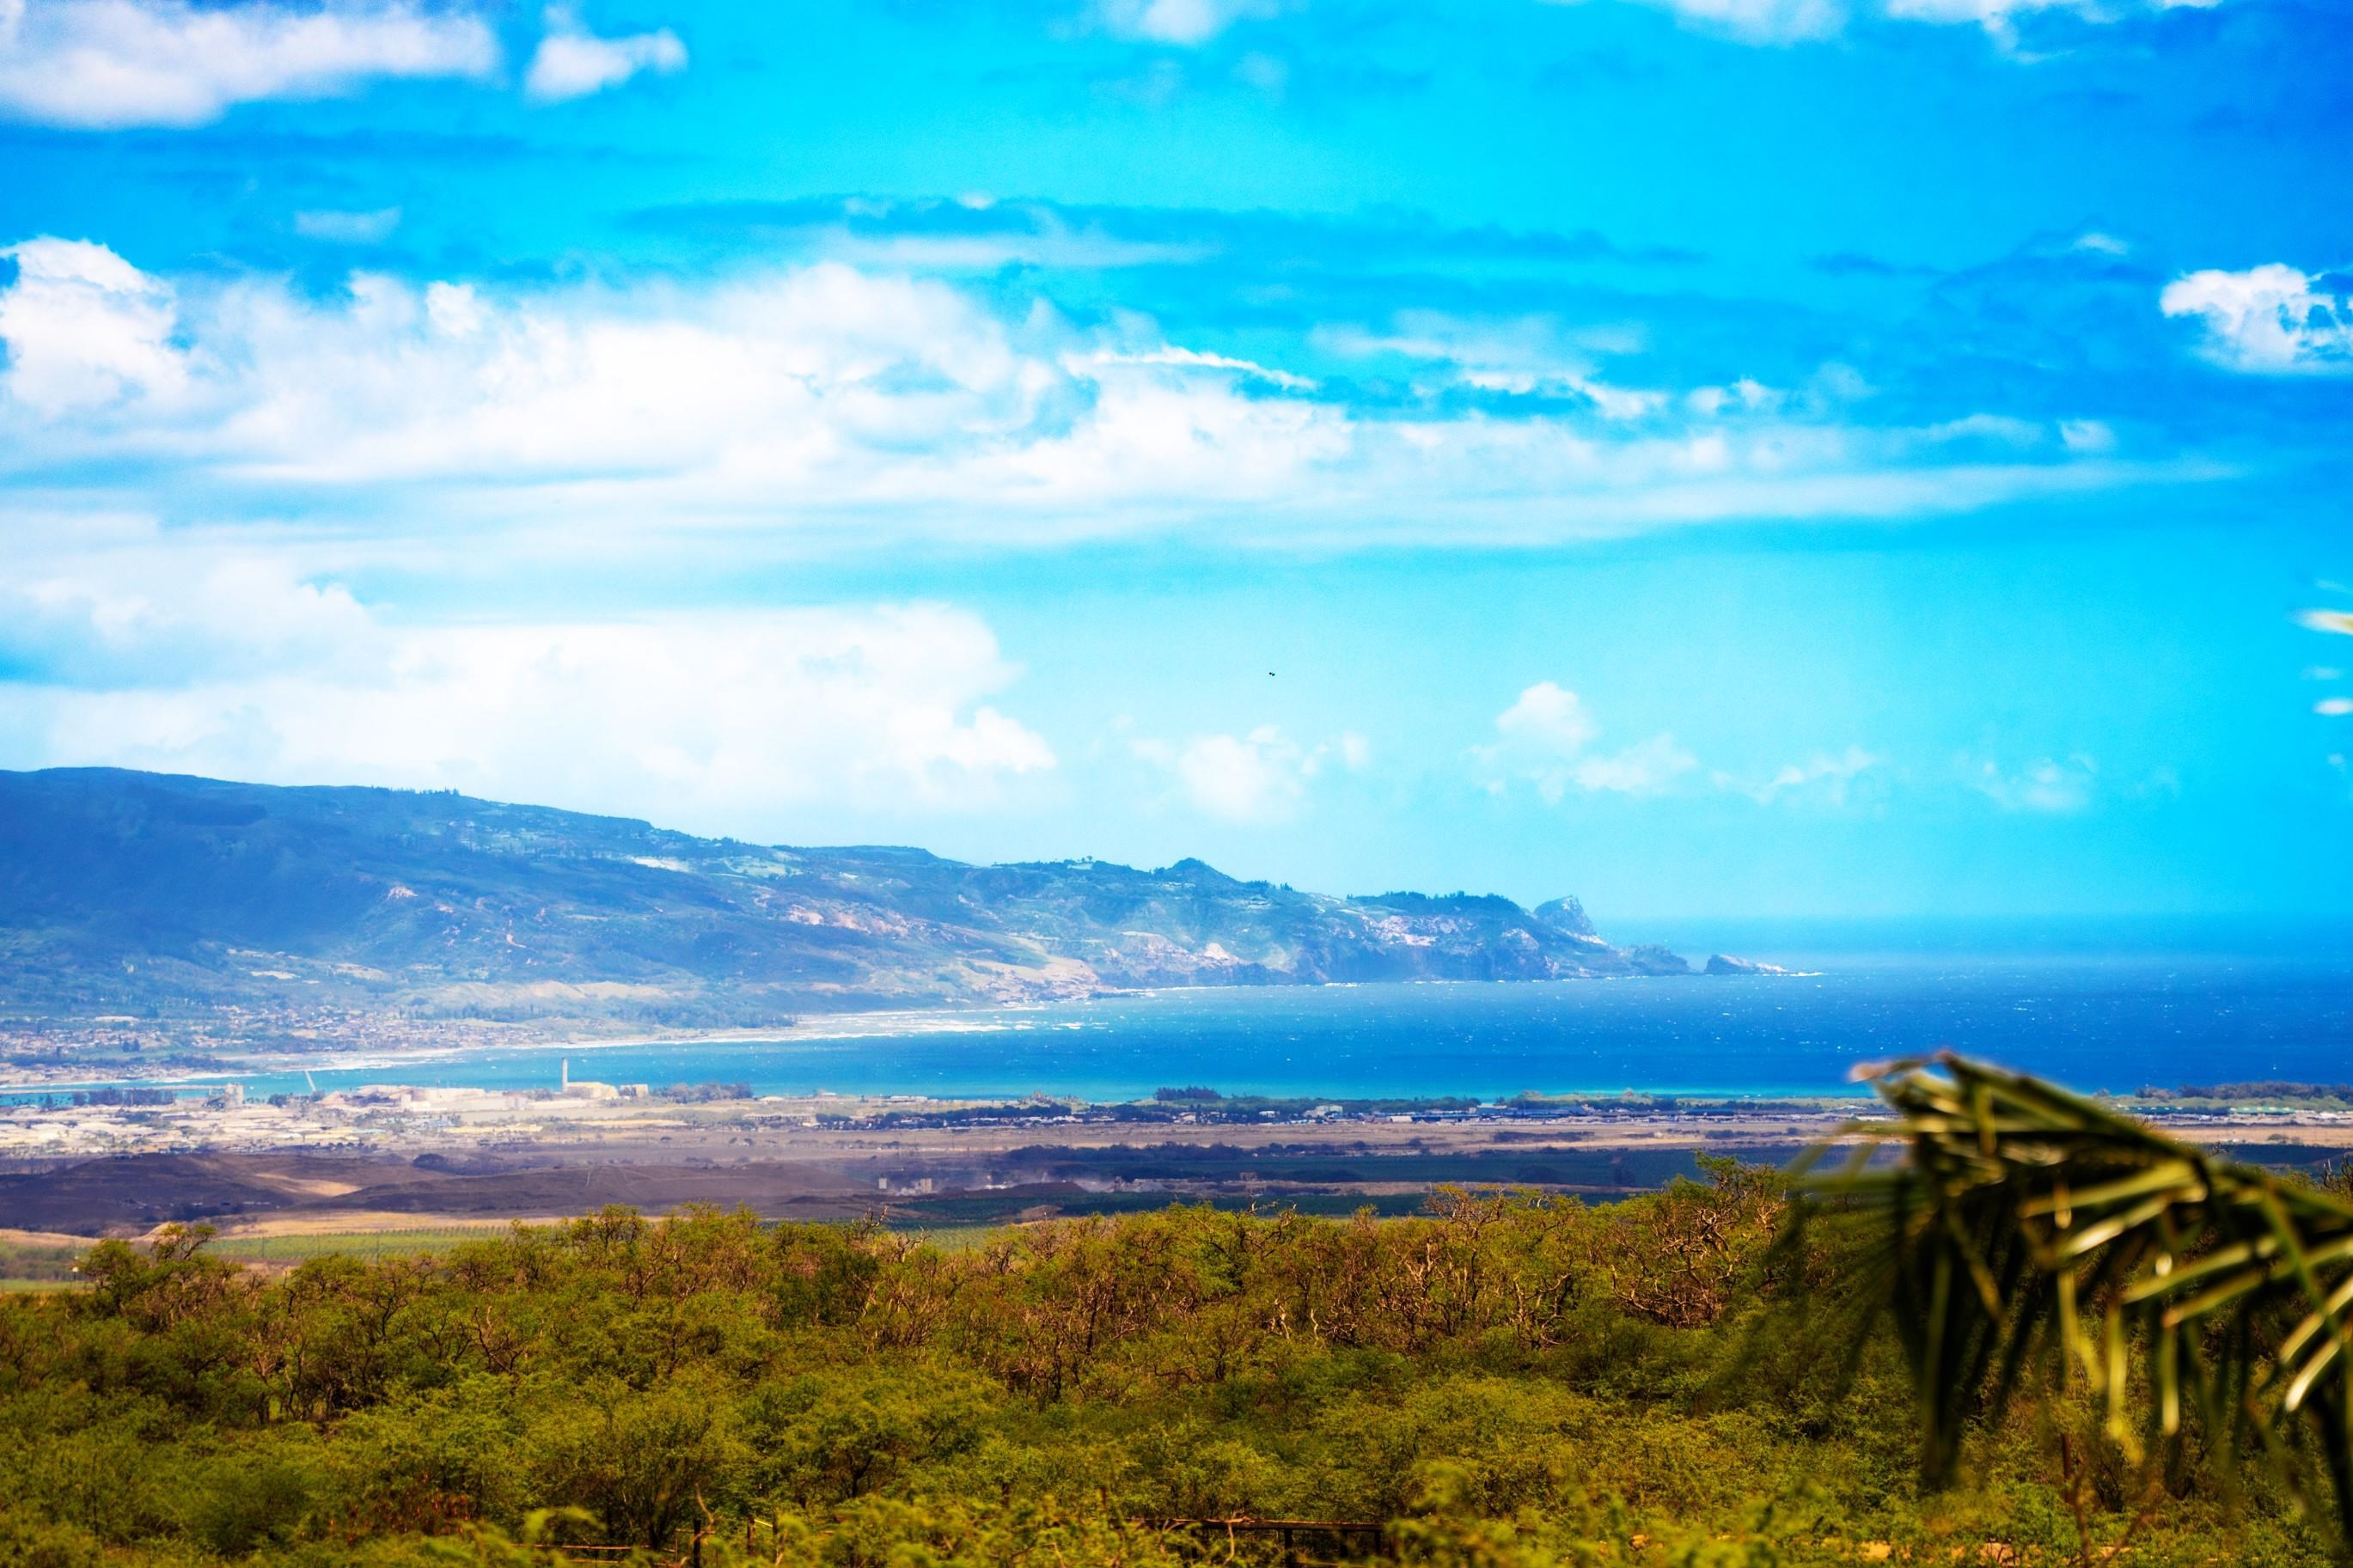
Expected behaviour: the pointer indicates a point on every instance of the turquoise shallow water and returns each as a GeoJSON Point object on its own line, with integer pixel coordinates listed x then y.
{"type": "Point", "coordinates": [2113, 1023]}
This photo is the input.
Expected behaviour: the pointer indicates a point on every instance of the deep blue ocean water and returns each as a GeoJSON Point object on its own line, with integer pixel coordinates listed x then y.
{"type": "Point", "coordinates": [2093, 1021]}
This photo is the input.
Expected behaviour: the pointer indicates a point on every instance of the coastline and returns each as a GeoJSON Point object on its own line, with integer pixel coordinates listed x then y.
{"type": "Point", "coordinates": [890, 1023]}
{"type": "Point", "coordinates": [1492, 1041]}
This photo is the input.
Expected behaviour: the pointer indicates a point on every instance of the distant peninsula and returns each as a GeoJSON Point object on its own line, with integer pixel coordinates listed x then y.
{"type": "Point", "coordinates": [1725, 963]}
{"type": "Point", "coordinates": [150, 905]}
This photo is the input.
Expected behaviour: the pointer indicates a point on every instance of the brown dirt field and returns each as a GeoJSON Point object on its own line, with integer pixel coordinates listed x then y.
{"type": "Point", "coordinates": [833, 1173]}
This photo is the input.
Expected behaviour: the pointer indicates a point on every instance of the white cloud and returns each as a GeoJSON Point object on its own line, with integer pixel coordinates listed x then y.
{"type": "Point", "coordinates": [1527, 356]}
{"type": "Point", "coordinates": [1259, 777]}
{"type": "Point", "coordinates": [1178, 21]}
{"type": "Point", "coordinates": [2087, 436]}
{"type": "Point", "coordinates": [1195, 358]}
{"type": "Point", "coordinates": [1999, 18]}
{"type": "Point", "coordinates": [1824, 777]}
{"type": "Point", "coordinates": [1647, 767]}
{"type": "Point", "coordinates": [825, 399]}
{"type": "Point", "coordinates": [571, 62]}
{"type": "Point", "coordinates": [1255, 777]}
{"type": "Point", "coordinates": [1801, 21]}
{"type": "Point", "coordinates": [102, 64]}
{"type": "Point", "coordinates": [2053, 786]}
{"type": "Point", "coordinates": [1546, 719]}
{"type": "Point", "coordinates": [371, 227]}
{"type": "Point", "coordinates": [1763, 21]}
{"type": "Point", "coordinates": [1545, 740]}
{"type": "Point", "coordinates": [1542, 739]}
{"type": "Point", "coordinates": [2342, 623]}
{"type": "Point", "coordinates": [146, 613]}
{"type": "Point", "coordinates": [2267, 320]}
{"type": "Point", "coordinates": [1538, 356]}
{"type": "Point", "coordinates": [84, 328]}
{"type": "Point", "coordinates": [727, 717]}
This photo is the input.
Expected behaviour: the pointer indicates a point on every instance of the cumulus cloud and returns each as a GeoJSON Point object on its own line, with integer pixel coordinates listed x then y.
{"type": "Point", "coordinates": [820, 385]}
{"type": "Point", "coordinates": [1247, 778]}
{"type": "Point", "coordinates": [1259, 777]}
{"type": "Point", "coordinates": [85, 329]}
{"type": "Point", "coordinates": [821, 397]}
{"type": "Point", "coordinates": [1548, 718]}
{"type": "Point", "coordinates": [727, 717]}
{"type": "Point", "coordinates": [147, 615]}
{"type": "Point", "coordinates": [103, 64]}
{"type": "Point", "coordinates": [2052, 786]}
{"type": "Point", "coordinates": [573, 62]}
{"type": "Point", "coordinates": [2266, 319]}
{"type": "Point", "coordinates": [1543, 740]}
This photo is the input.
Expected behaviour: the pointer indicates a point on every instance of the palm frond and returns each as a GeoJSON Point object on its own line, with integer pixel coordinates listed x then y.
{"type": "Point", "coordinates": [2031, 1229]}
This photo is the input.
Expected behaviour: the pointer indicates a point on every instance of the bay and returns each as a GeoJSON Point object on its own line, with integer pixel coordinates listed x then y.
{"type": "Point", "coordinates": [2116, 1023]}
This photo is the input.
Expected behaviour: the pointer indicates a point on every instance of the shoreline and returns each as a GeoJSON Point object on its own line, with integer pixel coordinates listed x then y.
{"type": "Point", "coordinates": [413, 1119]}
{"type": "Point", "coordinates": [1494, 1041]}
{"type": "Point", "coordinates": [14, 1077]}
{"type": "Point", "coordinates": [885, 1023]}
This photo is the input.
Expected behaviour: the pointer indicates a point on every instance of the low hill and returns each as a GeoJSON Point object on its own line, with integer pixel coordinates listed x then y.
{"type": "Point", "coordinates": [132, 897]}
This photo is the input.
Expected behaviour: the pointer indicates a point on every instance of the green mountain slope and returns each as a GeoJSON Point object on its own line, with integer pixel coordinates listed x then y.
{"type": "Point", "coordinates": [145, 895]}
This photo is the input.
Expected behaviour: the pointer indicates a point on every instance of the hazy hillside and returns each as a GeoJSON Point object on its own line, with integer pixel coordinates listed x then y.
{"type": "Point", "coordinates": [145, 895]}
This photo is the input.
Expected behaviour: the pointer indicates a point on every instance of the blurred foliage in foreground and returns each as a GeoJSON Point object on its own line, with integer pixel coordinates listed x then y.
{"type": "Point", "coordinates": [2031, 1240]}
{"type": "Point", "coordinates": [1512, 1380]}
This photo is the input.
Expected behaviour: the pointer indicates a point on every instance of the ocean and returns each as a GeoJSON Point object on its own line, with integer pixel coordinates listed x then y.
{"type": "Point", "coordinates": [2113, 1022]}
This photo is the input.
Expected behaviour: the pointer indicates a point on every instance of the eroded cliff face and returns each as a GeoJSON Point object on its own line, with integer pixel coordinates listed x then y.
{"type": "Point", "coordinates": [135, 892]}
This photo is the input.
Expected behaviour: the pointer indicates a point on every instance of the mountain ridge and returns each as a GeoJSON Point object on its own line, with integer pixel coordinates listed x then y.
{"type": "Point", "coordinates": [139, 896]}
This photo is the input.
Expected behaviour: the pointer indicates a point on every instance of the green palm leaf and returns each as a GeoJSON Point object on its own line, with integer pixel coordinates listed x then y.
{"type": "Point", "coordinates": [2030, 1230]}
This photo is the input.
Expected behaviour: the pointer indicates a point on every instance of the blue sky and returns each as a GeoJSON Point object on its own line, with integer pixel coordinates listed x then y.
{"type": "Point", "coordinates": [1780, 458]}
